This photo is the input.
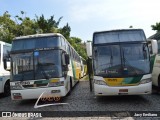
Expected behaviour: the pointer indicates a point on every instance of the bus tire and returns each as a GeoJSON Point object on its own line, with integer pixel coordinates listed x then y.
{"type": "Point", "coordinates": [159, 82]}
{"type": "Point", "coordinates": [7, 91]}
{"type": "Point", "coordinates": [70, 83]}
{"type": "Point", "coordinates": [69, 93]}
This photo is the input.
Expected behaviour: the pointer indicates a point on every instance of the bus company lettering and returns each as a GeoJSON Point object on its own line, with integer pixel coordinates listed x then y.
{"type": "Point", "coordinates": [50, 98]}
{"type": "Point", "coordinates": [47, 97]}
{"type": "Point", "coordinates": [112, 80]}
{"type": "Point", "coordinates": [23, 83]}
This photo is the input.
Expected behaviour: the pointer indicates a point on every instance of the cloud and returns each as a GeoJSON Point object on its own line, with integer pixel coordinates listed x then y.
{"type": "Point", "coordinates": [112, 9]}
{"type": "Point", "coordinates": [115, 14]}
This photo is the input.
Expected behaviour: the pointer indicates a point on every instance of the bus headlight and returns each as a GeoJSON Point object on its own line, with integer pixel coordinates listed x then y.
{"type": "Point", "coordinates": [99, 82]}
{"type": "Point", "coordinates": [145, 81]}
{"type": "Point", "coordinates": [56, 84]}
{"type": "Point", "coordinates": [16, 87]}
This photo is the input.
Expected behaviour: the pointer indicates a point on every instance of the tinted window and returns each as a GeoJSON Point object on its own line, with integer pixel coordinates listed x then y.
{"type": "Point", "coordinates": [119, 36]}
{"type": "Point", "coordinates": [33, 43]}
{"type": "Point", "coordinates": [6, 50]}
{"type": "Point", "coordinates": [121, 60]}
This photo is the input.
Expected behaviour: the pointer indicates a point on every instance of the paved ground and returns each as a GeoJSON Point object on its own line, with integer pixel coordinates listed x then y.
{"type": "Point", "coordinates": [82, 100]}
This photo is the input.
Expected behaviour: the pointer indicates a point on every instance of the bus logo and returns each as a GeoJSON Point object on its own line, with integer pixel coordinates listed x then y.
{"type": "Point", "coordinates": [48, 98]}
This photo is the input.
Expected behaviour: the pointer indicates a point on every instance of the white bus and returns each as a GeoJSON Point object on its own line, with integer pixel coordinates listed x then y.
{"type": "Point", "coordinates": [155, 65]}
{"type": "Point", "coordinates": [121, 62]}
{"type": "Point", "coordinates": [43, 63]}
{"type": "Point", "coordinates": [4, 73]}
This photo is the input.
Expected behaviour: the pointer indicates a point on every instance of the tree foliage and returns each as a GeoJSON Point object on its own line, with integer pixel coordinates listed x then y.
{"type": "Point", "coordinates": [79, 46]}
{"type": "Point", "coordinates": [23, 25]}
{"type": "Point", "coordinates": [8, 28]}
{"type": "Point", "coordinates": [156, 27]}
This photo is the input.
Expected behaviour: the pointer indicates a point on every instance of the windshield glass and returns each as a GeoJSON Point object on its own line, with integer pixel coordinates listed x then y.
{"type": "Point", "coordinates": [120, 60]}
{"type": "Point", "coordinates": [35, 43]}
{"type": "Point", "coordinates": [107, 60]}
{"type": "Point", "coordinates": [136, 58]}
{"type": "Point", "coordinates": [36, 65]}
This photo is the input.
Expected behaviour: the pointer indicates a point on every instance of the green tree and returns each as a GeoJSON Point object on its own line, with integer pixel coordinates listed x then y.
{"type": "Point", "coordinates": [156, 27]}
{"type": "Point", "coordinates": [47, 25]}
{"type": "Point", "coordinates": [76, 40]}
{"type": "Point", "coordinates": [7, 28]}
{"type": "Point", "coordinates": [65, 31]}
{"type": "Point", "coordinates": [78, 46]}
{"type": "Point", "coordinates": [23, 25]}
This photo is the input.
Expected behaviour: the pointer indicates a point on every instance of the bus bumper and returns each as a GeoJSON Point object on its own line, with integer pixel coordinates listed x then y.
{"type": "Point", "coordinates": [103, 90]}
{"type": "Point", "coordinates": [35, 93]}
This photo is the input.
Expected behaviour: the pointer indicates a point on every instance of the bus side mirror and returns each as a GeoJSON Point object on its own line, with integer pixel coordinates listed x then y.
{"type": "Point", "coordinates": [7, 64]}
{"type": "Point", "coordinates": [154, 46]}
{"type": "Point", "coordinates": [89, 49]}
{"type": "Point", "coordinates": [67, 59]}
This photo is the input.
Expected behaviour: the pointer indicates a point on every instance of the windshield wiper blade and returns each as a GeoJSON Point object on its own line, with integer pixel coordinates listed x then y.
{"type": "Point", "coordinates": [111, 59]}
{"type": "Point", "coordinates": [126, 61]}
{"type": "Point", "coordinates": [43, 71]}
{"type": "Point", "coordinates": [45, 64]}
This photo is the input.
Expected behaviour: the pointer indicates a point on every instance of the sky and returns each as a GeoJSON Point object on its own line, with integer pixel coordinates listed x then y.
{"type": "Point", "coordinates": [88, 16]}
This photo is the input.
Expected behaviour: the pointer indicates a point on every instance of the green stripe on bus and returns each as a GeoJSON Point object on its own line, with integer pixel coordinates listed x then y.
{"type": "Point", "coordinates": [41, 82]}
{"type": "Point", "coordinates": [132, 80]}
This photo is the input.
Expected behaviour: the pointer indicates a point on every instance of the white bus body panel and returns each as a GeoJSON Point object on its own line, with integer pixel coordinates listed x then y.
{"type": "Point", "coordinates": [35, 93]}
{"type": "Point", "coordinates": [105, 90]}
{"type": "Point", "coordinates": [156, 70]}
{"type": "Point", "coordinates": [4, 75]}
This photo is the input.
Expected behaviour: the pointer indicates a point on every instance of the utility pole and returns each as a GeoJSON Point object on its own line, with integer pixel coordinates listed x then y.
{"type": "Point", "coordinates": [89, 67]}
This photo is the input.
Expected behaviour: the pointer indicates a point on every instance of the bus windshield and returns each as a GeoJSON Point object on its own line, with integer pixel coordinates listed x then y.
{"type": "Point", "coordinates": [43, 64]}
{"type": "Point", "coordinates": [35, 43]}
{"type": "Point", "coordinates": [121, 60]}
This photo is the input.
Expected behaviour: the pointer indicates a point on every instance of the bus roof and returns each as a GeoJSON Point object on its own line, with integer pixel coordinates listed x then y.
{"type": "Point", "coordinates": [38, 35]}
{"type": "Point", "coordinates": [4, 43]}
{"type": "Point", "coordinates": [119, 35]}
{"type": "Point", "coordinates": [44, 35]}
{"type": "Point", "coordinates": [117, 30]}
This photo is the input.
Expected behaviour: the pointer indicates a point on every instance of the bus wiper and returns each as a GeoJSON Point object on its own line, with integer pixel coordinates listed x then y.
{"type": "Point", "coordinates": [46, 64]}
{"type": "Point", "coordinates": [43, 71]}
{"type": "Point", "coordinates": [144, 51]}
{"type": "Point", "coordinates": [111, 59]}
{"type": "Point", "coordinates": [126, 61]}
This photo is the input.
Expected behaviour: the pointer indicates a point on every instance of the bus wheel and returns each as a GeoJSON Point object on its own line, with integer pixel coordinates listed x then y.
{"type": "Point", "coordinates": [70, 87]}
{"type": "Point", "coordinates": [159, 82]}
{"type": "Point", "coordinates": [7, 91]}
{"type": "Point", "coordinates": [70, 84]}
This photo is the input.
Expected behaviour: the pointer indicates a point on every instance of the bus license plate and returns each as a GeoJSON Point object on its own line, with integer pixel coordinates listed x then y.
{"type": "Point", "coordinates": [123, 90]}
